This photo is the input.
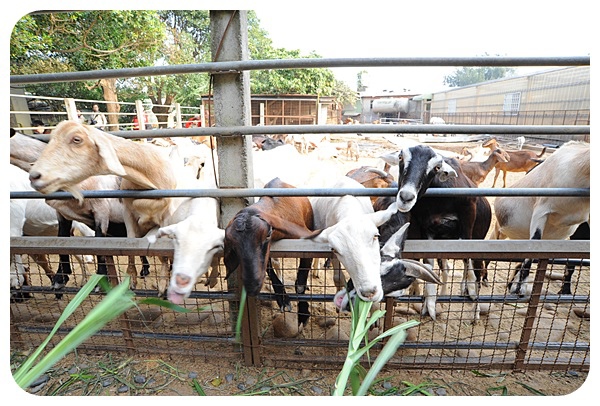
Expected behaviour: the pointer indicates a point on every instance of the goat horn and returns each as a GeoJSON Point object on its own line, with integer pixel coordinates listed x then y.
{"type": "Point", "coordinates": [421, 271]}
{"type": "Point", "coordinates": [377, 171]}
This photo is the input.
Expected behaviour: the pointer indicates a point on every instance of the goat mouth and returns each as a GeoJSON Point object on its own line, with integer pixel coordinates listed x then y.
{"type": "Point", "coordinates": [175, 297]}
{"type": "Point", "coordinates": [47, 186]}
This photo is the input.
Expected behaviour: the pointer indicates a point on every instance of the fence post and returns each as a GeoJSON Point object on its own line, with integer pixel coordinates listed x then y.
{"type": "Point", "coordinates": [229, 42]}
{"type": "Point", "coordinates": [532, 308]}
{"type": "Point", "coordinates": [71, 109]}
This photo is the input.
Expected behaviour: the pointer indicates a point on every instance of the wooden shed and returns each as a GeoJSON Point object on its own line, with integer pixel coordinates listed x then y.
{"type": "Point", "coordinates": [291, 109]}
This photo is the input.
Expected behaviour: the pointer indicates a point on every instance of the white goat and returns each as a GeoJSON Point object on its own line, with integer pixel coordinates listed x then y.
{"type": "Point", "coordinates": [290, 166]}
{"type": "Point", "coordinates": [33, 217]}
{"type": "Point", "coordinates": [77, 152]}
{"type": "Point", "coordinates": [197, 238]}
{"type": "Point", "coordinates": [542, 217]}
{"type": "Point", "coordinates": [350, 228]}
{"type": "Point", "coordinates": [104, 216]}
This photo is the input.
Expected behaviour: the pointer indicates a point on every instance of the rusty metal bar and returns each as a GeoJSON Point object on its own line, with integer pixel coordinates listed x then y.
{"type": "Point", "coordinates": [530, 316]}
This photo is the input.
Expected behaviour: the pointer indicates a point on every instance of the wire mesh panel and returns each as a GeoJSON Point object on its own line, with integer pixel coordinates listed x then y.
{"type": "Point", "coordinates": [549, 330]}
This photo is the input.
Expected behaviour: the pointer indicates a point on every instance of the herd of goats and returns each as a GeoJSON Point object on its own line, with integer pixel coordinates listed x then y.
{"type": "Point", "coordinates": [366, 234]}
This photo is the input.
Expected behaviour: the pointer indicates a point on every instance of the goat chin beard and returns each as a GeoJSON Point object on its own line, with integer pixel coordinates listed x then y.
{"type": "Point", "coordinates": [76, 192]}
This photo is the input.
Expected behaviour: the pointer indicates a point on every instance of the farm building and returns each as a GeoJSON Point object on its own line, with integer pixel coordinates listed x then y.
{"type": "Point", "coordinates": [293, 109]}
{"type": "Point", "coordinates": [557, 96]}
{"type": "Point", "coordinates": [553, 97]}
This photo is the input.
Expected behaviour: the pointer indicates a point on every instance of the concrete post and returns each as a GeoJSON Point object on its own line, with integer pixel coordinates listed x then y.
{"type": "Point", "coordinates": [231, 106]}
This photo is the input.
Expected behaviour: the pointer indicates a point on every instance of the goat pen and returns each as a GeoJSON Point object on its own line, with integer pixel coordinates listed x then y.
{"type": "Point", "coordinates": [546, 332]}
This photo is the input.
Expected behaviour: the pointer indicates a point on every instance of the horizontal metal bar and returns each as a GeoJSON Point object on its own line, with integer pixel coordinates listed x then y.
{"type": "Point", "coordinates": [301, 63]}
{"type": "Point", "coordinates": [360, 129]}
{"type": "Point", "coordinates": [238, 192]}
{"type": "Point", "coordinates": [420, 248]}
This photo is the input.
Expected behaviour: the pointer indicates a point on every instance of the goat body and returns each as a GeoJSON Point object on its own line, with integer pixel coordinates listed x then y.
{"type": "Point", "coordinates": [104, 216]}
{"type": "Point", "coordinates": [77, 152]}
{"type": "Point", "coordinates": [371, 177]}
{"type": "Point", "coordinates": [478, 171]}
{"type": "Point", "coordinates": [350, 227]}
{"type": "Point", "coordinates": [520, 161]}
{"type": "Point", "coordinates": [249, 234]}
{"type": "Point", "coordinates": [460, 217]}
{"type": "Point", "coordinates": [546, 217]}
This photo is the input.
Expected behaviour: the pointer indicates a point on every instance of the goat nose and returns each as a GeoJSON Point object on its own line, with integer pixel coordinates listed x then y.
{"type": "Point", "coordinates": [406, 196]}
{"type": "Point", "coordinates": [34, 175]}
{"type": "Point", "coordinates": [182, 280]}
{"type": "Point", "coordinates": [368, 294]}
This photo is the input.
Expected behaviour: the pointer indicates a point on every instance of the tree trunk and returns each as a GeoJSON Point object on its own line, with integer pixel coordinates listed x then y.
{"type": "Point", "coordinates": [109, 91]}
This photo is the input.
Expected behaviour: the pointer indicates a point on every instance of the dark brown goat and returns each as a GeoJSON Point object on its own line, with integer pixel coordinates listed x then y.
{"type": "Point", "coordinates": [371, 177]}
{"type": "Point", "coordinates": [520, 161]}
{"type": "Point", "coordinates": [478, 171]}
{"type": "Point", "coordinates": [248, 238]}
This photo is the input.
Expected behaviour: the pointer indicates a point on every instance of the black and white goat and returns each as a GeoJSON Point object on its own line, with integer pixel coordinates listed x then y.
{"type": "Point", "coordinates": [546, 217]}
{"type": "Point", "coordinates": [397, 274]}
{"type": "Point", "coordinates": [458, 217]}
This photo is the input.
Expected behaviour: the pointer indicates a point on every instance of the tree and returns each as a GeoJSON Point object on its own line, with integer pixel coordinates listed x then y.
{"type": "Point", "coordinates": [467, 76]}
{"type": "Point", "coordinates": [79, 41]}
{"type": "Point", "coordinates": [90, 40]}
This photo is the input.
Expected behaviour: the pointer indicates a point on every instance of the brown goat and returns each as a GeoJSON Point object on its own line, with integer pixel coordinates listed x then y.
{"type": "Point", "coordinates": [478, 171]}
{"type": "Point", "coordinates": [371, 177]}
{"type": "Point", "coordinates": [520, 161]}
{"type": "Point", "coordinates": [248, 238]}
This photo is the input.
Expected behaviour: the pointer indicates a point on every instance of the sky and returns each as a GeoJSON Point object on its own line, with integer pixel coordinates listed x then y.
{"type": "Point", "coordinates": [335, 29]}
{"type": "Point", "coordinates": [428, 29]}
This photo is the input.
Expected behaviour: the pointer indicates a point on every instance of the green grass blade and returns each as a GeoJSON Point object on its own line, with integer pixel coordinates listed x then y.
{"type": "Point", "coordinates": [69, 309]}
{"type": "Point", "coordinates": [386, 353]}
{"type": "Point", "coordinates": [116, 302]}
{"type": "Point", "coordinates": [238, 324]}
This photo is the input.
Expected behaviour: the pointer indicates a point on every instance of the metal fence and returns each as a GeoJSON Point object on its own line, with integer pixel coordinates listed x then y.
{"type": "Point", "coordinates": [549, 331]}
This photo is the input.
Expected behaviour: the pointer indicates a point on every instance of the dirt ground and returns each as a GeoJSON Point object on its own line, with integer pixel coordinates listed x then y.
{"type": "Point", "coordinates": [120, 375]}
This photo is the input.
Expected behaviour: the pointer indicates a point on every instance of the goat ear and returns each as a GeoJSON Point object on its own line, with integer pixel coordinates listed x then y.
{"type": "Point", "coordinates": [391, 158]}
{"type": "Point", "coordinates": [168, 231]}
{"type": "Point", "coordinates": [394, 246]}
{"type": "Point", "coordinates": [107, 151]}
{"type": "Point", "coordinates": [382, 216]}
{"type": "Point", "coordinates": [321, 236]}
{"type": "Point", "coordinates": [231, 260]}
{"type": "Point", "coordinates": [447, 172]}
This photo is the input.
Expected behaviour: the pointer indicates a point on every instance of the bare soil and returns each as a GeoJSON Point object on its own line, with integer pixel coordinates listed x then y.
{"type": "Point", "coordinates": [121, 375]}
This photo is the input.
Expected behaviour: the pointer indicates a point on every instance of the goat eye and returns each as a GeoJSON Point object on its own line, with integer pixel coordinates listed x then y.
{"type": "Point", "coordinates": [437, 168]}
{"type": "Point", "coordinates": [76, 140]}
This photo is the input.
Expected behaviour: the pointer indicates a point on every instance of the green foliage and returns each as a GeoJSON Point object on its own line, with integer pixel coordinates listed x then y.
{"type": "Point", "coordinates": [118, 300]}
{"type": "Point", "coordinates": [92, 40]}
{"type": "Point", "coordinates": [360, 379]}
{"type": "Point", "coordinates": [467, 75]}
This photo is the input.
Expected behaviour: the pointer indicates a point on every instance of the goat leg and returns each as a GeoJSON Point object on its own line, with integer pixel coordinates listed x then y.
{"type": "Point", "coordinates": [301, 287]}
{"type": "Point", "coordinates": [428, 308]}
{"type": "Point", "coordinates": [213, 276]}
{"type": "Point", "coordinates": [520, 285]}
{"type": "Point", "coordinates": [468, 285]}
{"type": "Point", "coordinates": [61, 277]}
{"type": "Point", "coordinates": [145, 267]}
{"type": "Point", "coordinates": [283, 300]}
{"type": "Point", "coordinates": [566, 286]}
